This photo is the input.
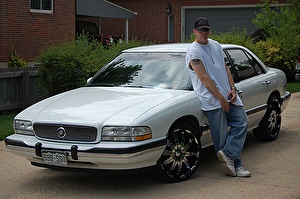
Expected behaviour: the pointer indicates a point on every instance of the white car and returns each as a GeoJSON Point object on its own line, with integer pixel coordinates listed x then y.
{"type": "Point", "coordinates": [139, 111]}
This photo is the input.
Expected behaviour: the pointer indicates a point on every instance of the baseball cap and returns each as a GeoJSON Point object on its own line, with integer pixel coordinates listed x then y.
{"type": "Point", "coordinates": [200, 23]}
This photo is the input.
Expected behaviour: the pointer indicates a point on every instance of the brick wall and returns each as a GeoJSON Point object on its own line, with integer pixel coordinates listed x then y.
{"type": "Point", "coordinates": [28, 32]}
{"type": "Point", "coordinates": [149, 24]}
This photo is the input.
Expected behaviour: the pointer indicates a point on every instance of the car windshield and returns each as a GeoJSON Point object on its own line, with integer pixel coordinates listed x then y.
{"type": "Point", "coordinates": [145, 70]}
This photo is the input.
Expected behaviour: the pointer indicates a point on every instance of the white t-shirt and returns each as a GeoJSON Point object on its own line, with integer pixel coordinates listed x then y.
{"type": "Point", "coordinates": [212, 57]}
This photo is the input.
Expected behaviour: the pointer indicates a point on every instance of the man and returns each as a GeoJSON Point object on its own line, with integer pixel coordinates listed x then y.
{"type": "Point", "coordinates": [214, 85]}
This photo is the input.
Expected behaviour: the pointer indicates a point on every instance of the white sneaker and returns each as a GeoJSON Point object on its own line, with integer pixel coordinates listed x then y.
{"type": "Point", "coordinates": [242, 172]}
{"type": "Point", "coordinates": [227, 163]}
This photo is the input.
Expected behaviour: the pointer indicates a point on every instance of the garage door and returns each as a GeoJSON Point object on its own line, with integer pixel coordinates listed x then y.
{"type": "Point", "coordinates": [221, 19]}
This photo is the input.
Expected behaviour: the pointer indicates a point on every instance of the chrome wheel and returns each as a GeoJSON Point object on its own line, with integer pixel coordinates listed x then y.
{"type": "Point", "coordinates": [180, 157]}
{"type": "Point", "coordinates": [274, 122]}
{"type": "Point", "coordinates": [269, 126]}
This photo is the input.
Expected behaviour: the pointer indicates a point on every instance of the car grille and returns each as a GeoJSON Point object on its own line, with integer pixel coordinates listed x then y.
{"type": "Point", "coordinates": [65, 132]}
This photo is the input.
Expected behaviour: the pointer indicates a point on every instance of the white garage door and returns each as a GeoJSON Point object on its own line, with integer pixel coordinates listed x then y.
{"type": "Point", "coordinates": [220, 19]}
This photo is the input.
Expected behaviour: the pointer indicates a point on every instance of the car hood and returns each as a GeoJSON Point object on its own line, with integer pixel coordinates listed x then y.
{"type": "Point", "coordinates": [98, 105]}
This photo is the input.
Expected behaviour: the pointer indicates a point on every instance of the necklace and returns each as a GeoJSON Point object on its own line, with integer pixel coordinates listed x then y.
{"type": "Point", "coordinates": [209, 54]}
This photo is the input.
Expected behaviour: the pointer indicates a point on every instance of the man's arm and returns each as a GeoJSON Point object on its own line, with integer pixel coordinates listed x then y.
{"type": "Point", "coordinates": [200, 71]}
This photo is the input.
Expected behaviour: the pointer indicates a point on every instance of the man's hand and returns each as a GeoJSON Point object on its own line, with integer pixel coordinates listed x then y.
{"type": "Point", "coordinates": [224, 104]}
{"type": "Point", "coordinates": [232, 96]}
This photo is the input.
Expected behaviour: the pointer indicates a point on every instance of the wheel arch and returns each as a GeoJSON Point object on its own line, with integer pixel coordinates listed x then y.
{"type": "Point", "coordinates": [190, 120]}
{"type": "Point", "coordinates": [274, 93]}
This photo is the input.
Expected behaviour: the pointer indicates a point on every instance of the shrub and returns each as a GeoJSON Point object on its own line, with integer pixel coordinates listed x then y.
{"type": "Point", "coordinates": [15, 61]}
{"type": "Point", "coordinates": [283, 34]}
{"type": "Point", "coordinates": [70, 64]}
{"type": "Point", "coordinates": [234, 36]}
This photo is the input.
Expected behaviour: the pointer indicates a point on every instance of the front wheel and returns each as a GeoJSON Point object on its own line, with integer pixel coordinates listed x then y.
{"type": "Point", "coordinates": [269, 126]}
{"type": "Point", "coordinates": [180, 158]}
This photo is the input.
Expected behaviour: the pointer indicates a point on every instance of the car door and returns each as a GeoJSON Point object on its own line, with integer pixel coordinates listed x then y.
{"type": "Point", "coordinates": [251, 81]}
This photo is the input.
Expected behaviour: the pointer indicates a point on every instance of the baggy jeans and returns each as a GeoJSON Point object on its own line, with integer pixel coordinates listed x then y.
{"type": "Point", "coordinates": [229, 131]}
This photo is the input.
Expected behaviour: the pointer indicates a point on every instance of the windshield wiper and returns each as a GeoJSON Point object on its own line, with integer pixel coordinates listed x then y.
{"type": "Point", "coordinates": [102, 85]}
{"type": "Point", "coordinates": [137, 86]}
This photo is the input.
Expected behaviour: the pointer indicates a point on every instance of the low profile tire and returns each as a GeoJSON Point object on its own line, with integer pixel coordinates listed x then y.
{"type": "Point", "coordinates": [180, 158]}
{"type": "Point", "coordinates": [269, 126]}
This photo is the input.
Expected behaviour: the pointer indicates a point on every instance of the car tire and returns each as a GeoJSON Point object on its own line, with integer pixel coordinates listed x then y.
{"type": "Point", "coordinates": [269, 127]}
{"type": "Point", "coordinates": [179, 160]}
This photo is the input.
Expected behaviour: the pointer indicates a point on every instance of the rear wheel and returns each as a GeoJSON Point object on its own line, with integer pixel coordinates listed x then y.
{"type": "Point", "coordinates": [269, 126]}
{"type": "Point", "coordinates": [180, 158]}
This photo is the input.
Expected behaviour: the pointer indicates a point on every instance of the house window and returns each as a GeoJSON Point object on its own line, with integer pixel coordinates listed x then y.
{"type": "Point", "coordinates": [41, 6]}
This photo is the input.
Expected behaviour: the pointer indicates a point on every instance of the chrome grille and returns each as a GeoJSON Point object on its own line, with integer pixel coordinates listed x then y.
{"type": "Point", "coordinates": [65, 132]}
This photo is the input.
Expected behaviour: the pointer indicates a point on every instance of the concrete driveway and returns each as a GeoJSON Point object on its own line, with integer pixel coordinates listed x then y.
{"type": "Point", "coordinates": [275, 168]}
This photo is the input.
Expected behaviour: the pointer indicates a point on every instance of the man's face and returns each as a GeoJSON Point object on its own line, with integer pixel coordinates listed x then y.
{"type": "Point", "coordinates": [202, 34]}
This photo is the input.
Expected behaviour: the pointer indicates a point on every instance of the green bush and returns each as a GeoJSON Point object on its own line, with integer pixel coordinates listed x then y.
{"type": "Point", "coordinates": [239, 37]}
{"type": "Point", "coordinates": [70, 64]}
{"type": "Point", "coordinates": [272, 52]}
{"type": "Point", "coordinates": [283, 34]}
{"type": "Point", "coordinates": [234, 36]}
{"type": "Point", "coordinates": [15, 61]}
{"type": "Point", "coordinates": [6, 123]}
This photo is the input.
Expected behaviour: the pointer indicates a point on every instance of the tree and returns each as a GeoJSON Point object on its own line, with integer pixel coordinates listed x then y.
{"type": "Point", "coordinates": [282, 28]}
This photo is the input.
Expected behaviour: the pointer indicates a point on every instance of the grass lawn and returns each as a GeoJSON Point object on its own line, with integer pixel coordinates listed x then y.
{"type": "Point", "coordinates": [6, 122]}
{"type": "Point", "coordinates": [293, 87]}
{"type": "Point", "coordinates": [6, 117]}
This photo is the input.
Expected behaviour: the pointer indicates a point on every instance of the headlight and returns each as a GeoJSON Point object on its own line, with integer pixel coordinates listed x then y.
{"type": "Point", "coordinates": [23, 127]}
{"type": "Point", "coordinates": [125, 133]}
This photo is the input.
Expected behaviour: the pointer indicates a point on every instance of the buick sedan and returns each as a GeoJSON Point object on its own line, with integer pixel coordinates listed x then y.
{"type": "Point", "coordinates": [140, 111]}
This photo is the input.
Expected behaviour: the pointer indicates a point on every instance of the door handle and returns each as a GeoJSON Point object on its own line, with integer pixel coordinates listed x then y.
{"type": "Point", "coordinates": [266, 82]}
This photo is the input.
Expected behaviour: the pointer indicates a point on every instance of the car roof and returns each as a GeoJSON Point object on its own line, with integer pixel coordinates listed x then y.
{"type": "Point", "coordinates": [172, 47]}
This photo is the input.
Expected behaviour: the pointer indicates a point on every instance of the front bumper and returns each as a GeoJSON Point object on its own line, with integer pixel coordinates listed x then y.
{"type": "Point", "coordinates": [285, 100]}
{"type": "Point", "coordinates": [104, 156]}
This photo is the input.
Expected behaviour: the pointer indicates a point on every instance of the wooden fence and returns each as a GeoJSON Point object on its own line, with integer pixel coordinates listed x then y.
{"type": "Point", "coordinates": [18, 88]}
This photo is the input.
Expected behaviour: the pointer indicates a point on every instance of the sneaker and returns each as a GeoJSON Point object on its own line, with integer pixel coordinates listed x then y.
{"type": "Point", "coordinates": [227, 163]}
{"type": "Point", "coordinates": [242, 172]}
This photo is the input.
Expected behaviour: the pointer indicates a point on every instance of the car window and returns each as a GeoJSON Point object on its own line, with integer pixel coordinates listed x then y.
{"type": "Point", "coordinates": [242, 64]}
{"type": "Point", "coordinates": [255, 64]}
{"type": "Point", "coordinates": [155, 70]}
{"type": "Point", "coordinates": [228, 64]}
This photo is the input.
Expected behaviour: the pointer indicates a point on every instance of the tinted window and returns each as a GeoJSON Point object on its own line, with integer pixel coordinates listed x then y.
{"type": "Point", "coordinates": [242, 64]}
{"type": "Point", "coordinates": [255, 64]}
{"type": "Point", "coordinates": [228, 64]}
{"type": "Point", "coordinates": [155, 70]}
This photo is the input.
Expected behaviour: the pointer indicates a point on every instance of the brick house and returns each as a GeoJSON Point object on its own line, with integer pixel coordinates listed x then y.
{"type": "Point", "coordinates": [28, 30]}
{"type": "Point", "coordinates": [28, 26]}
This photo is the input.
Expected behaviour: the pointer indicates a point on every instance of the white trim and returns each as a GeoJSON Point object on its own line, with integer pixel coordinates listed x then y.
{"type": "Point", "coordinates": [229, 6]}
{"type": "Point", "coordinates": [132, 12]}
{"type": "Point", "coordinates": [219, 6]}
{"type": "Point", "coordinates": [41, 11]}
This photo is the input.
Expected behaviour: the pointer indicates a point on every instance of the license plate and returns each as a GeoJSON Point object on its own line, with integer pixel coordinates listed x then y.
{"type": "Point", "coordinates": [54, 157]}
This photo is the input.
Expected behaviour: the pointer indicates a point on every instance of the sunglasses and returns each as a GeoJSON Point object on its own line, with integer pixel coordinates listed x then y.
{"type": "Point", "coordinates": [203, 30]}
